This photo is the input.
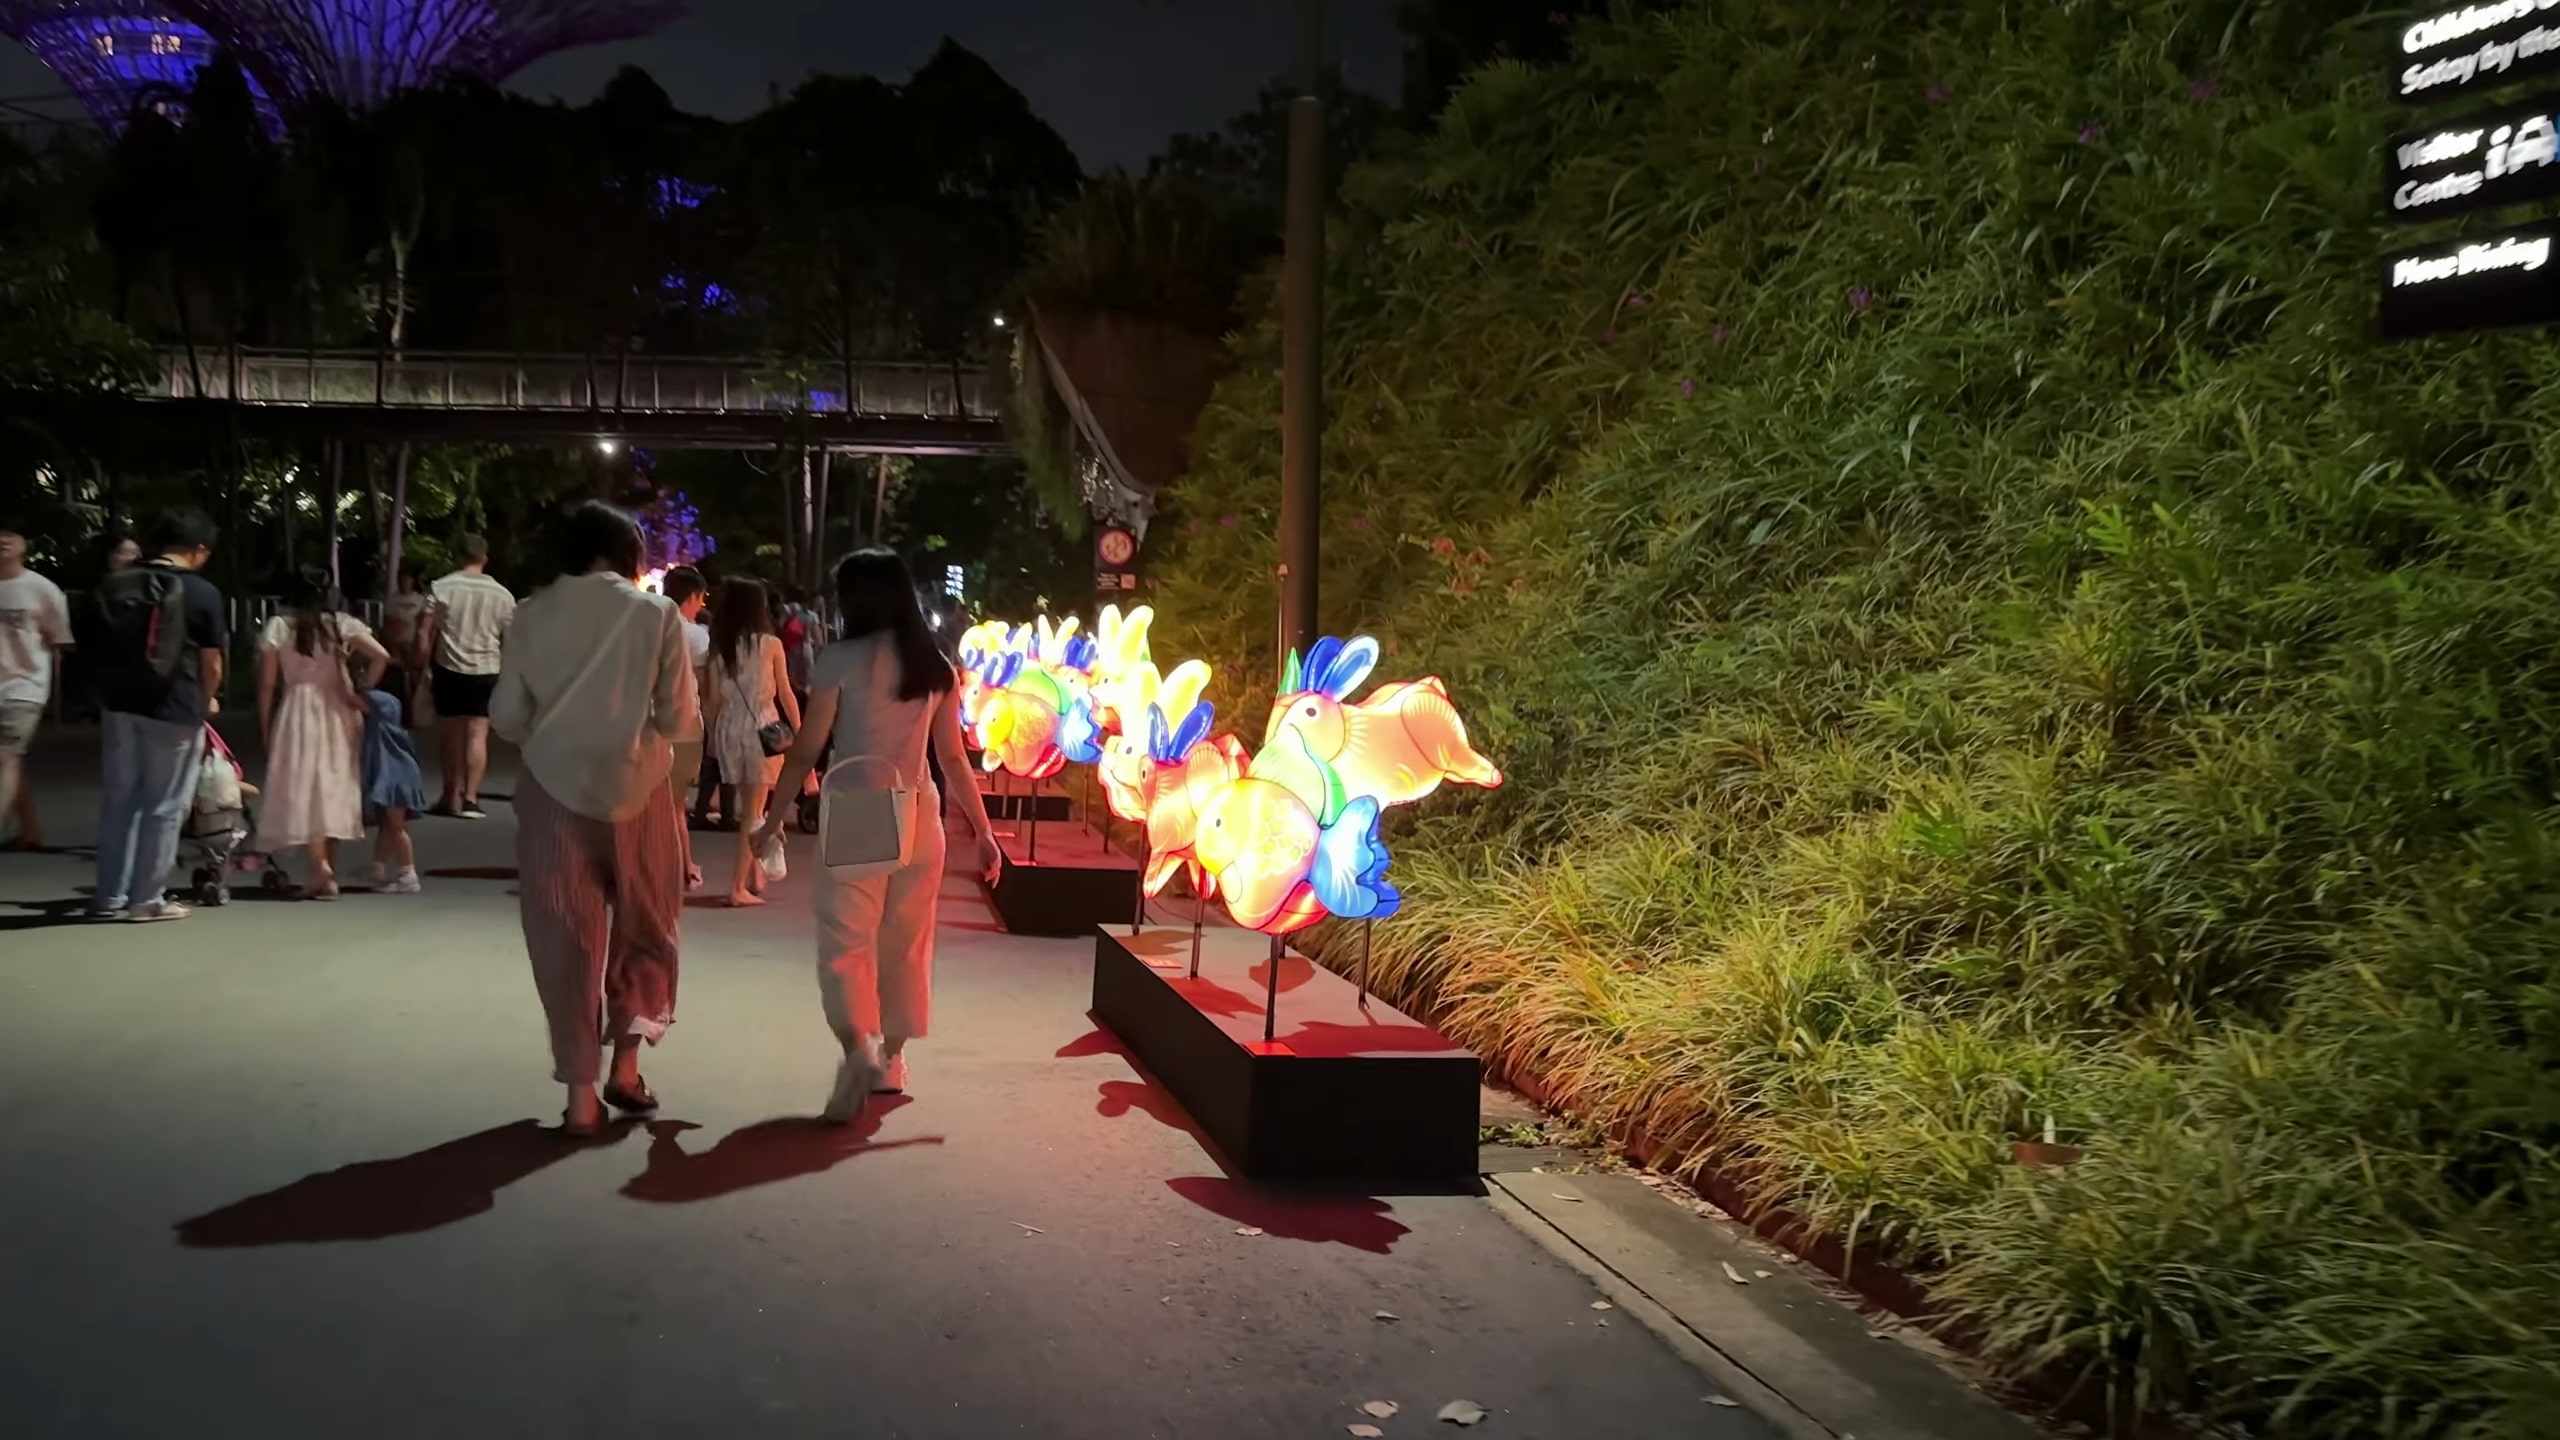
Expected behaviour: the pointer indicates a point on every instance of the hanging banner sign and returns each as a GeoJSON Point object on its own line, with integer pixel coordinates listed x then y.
{"type": "Point", "coordinates": [2503, 157]}
{"type": "Point", "coordinates": [2465, 49]}
{"type": "Point", "coordinates": [2507, 279]}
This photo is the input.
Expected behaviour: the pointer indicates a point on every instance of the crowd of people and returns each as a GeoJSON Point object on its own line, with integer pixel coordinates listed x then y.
{"type": "Point", "coordinates": [618, 699]}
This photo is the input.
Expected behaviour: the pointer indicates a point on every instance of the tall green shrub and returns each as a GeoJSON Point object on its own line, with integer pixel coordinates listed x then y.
{"type": "Point", "coordinates": [1987, 646]}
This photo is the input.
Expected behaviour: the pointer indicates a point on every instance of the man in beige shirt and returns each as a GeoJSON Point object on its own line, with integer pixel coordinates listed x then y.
{"type": "Point", "coordinates": [595, 686]}
{"type": "Point", "coordinates": [464, 624]}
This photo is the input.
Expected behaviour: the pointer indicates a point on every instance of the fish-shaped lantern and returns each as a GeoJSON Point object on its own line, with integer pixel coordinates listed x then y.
{"type": "Point", "coordinates": [1396, 746]}
{"type": "Point", "coordinates": [1283, 845]}
{"type": "Point", "coordinates": [1018, 719]}
{"type": "Point", "coordinates": [1127, 748]}
{"type": "Point", "coordinates": [1185, 767]}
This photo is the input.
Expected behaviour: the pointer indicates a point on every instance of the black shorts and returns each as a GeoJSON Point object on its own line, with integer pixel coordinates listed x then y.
{"type": "Point", "coordinates": [462, 696]}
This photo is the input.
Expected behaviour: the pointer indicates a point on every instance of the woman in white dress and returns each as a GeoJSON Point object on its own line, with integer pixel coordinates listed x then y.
{"type": "Point", "coordinates": [884, 690]}
{"type": "Point", "coordinates": [311, 715]}
{"type": "Point", "coordinates": [750, 688]}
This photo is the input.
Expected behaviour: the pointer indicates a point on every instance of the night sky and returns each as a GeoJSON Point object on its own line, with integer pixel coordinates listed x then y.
{"type": "Point", "coordinates": [1114, 76]}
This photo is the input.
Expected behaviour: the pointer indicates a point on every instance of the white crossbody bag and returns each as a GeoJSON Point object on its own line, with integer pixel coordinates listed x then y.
{"type": "Point", "coordinates": [864, 827]}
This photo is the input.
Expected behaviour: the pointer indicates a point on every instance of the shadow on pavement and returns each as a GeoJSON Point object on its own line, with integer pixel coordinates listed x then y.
{"type": "Point", "coordinates": [1363, 1222]}
{"type": "Point", "coordinates": [765, 1153]}
{"type": "Point", "coordinates": [472, 872]}
{"type": "Point", "coordinates": [47, 914]}
{"type": "Point", "coordinates": [1316, 1214]}
{"type": "Point", "coordinates": [376, 1199]}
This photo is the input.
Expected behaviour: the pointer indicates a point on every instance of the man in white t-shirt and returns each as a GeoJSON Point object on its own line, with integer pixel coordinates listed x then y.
{"type": "Point", "coordinates": [35, 628]}
{"type": "Point", "coordinates": [685, 586]}
{"type": "Point", "coordinates": [464, 626]}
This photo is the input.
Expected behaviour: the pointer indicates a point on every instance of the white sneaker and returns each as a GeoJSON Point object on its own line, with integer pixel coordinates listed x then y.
{"type": "Point", "coordinates": [856, 1079]}
{"type": "Point", "coordinates": [404, 883]}
{"type": "Point", "coordinates": [158, 910]}
{"type": "Point", "coordinates": [893, 1076]}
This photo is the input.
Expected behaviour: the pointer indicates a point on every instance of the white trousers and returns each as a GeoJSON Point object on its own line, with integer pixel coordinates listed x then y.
{"type": "Point", "coordinates": [875, 939]}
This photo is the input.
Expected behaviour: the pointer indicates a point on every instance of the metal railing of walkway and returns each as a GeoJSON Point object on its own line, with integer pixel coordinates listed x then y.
{"type": "Point", "coordinates": [611, 383]}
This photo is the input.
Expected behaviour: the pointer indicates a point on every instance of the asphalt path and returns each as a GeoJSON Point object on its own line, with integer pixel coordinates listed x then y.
{"type": "Point", "coordinates": [285, 1168]}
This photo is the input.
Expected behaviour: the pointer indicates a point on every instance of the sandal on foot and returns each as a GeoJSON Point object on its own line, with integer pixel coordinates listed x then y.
{"type": "Point", "coordinates": [635, 1100]}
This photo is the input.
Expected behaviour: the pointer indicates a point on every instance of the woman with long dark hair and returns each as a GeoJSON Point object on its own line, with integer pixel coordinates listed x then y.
{"type": "Point", "coordinates": [750, 690]}
{"type": "Point", "coordinates": [311, 714]}
{"type": "Point", "coordinates": [884, 690]}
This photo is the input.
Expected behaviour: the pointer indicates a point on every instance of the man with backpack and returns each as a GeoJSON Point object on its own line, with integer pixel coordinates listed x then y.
{"type": "Point", "coordinates": [163, 637]}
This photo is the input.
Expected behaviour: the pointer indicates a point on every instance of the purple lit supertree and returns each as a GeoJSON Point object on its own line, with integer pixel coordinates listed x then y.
{"type": "Point", "coordinates": [358, 53]}
{"type": "Point", "coordinates": [116, 54]}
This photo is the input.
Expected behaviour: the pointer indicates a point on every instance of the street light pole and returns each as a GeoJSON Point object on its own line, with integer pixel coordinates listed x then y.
{"type": "Point", "coordinates": [1302, 344]}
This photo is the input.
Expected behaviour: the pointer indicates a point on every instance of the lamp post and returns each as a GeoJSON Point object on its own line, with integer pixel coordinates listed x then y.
{"type": "Point", "coordinates": [1302, 345]}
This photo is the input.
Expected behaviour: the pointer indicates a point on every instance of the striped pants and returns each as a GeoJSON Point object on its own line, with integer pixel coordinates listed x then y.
{"type": "Point", "coordinates": [600, 978]}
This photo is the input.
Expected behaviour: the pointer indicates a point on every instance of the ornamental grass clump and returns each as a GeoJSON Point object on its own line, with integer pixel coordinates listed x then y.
{"type": "Point", "coordinates": [1990, 651]}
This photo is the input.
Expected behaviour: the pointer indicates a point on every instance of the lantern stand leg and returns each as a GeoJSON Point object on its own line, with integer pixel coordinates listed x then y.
{"type": "Point", "coordinates": [1138, 921]}
{"type": "Point", "coordinates": [1034, 857]}
{"type": "Point", "coordinates": [1271, 992]}
{"type": "Point", "coordinates": [1199, 914]}
{"type": "Point", "coordinates": [1364, 962]}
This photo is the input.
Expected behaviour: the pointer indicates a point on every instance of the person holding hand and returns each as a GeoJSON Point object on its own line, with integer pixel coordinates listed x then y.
{"type": "Point", "coordinates": [886, 691]}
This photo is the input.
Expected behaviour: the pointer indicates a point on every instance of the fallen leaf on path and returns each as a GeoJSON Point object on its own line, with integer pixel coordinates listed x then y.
{"type": "Point", "coordinates": [1388, 1315]}
{"type": "Point", "coordinates": [1248, 1229]}
{"type": "Point", "coordinates": [1462, 1412]}
{"type": "Point", "coordinates": [1370, 1431]}
{"type": "Point", "coordinates": [1759, 1274]}
{"type": "Point", "coordinates": [1736, 1276]}
{"type": "Point", "coordinates": [1028, 1229]}
{"type": "Point", "coordinates": [1602, 1305]}
{"type": "Point", "coordinates": [1576, 1199]}
{"type": "Point", "coordinates": [1726, 1401]}
{"type": "Point", "coordinates": [1383, 1409]}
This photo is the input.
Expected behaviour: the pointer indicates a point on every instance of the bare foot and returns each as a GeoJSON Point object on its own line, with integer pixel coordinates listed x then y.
{"type": "Point", "coordinates": [740, 899]}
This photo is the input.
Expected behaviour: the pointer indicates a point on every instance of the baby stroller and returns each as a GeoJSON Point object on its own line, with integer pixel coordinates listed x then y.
{"type": "Point", "coordinates": [218, 825]}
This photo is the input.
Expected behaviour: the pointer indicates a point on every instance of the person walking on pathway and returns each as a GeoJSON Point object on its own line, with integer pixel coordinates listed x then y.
{"type": "Point", "coordinates": [684, 587]}
{"type": "Point", "coordinates": [750, 693]}
{"type": "Point", "coordinates": [35, 630]}
{"type": "Point", "coordinates": [163, 634]}
{"type": "Point", "coordinates": [404, 624]}
{"type": "Point", "coordinates": [594, 687]}
{"type": "Point", "coordinates": [311, 717]}
{"type": "Point", "coordinates": [884, 691]}
{"type": "Point", "coordinates": [394, 790]}
{"type": "Point", "coordinates": [464, 624]}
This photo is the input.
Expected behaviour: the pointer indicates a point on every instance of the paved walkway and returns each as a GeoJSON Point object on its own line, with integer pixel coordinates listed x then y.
{"type": "Point", "coordinates": [279, 1169]}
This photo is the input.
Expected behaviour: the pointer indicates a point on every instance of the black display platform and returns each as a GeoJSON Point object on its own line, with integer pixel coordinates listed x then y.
{"type": "Point", "coordinates": [1064, 883]}
{"type": "Point", "coordinates": [1347, 1093]}
{"type": "Point", "coordinates": [1018, 807]}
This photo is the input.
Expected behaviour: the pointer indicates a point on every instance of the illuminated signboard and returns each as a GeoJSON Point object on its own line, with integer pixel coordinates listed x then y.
{"type": "Point", "coordinates": [2465, 49]}
{"type": "Point", "coordinates": [2503, 279]}
{"type": "Point", "coordinates": [2503, 157]}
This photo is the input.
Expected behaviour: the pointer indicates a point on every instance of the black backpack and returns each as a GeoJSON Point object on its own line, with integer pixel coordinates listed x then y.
{"type": "Point", "coordinates": [143, 621]}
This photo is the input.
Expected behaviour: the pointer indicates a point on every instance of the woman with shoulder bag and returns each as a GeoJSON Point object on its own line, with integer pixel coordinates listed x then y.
{"type": "Point", "coordinates": [887, 698]}
{"type": "Point", "coordinates": [594, 684]}
{"type": "Point", "coordinates": [751, 717]}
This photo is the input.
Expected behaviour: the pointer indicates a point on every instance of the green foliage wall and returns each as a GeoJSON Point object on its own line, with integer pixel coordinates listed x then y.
{"type": "Point", "coordinates": [1987, 646]}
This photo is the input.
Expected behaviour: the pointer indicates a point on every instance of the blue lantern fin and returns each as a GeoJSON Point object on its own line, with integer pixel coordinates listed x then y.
{"type": "Point", "coordinates": [1346, 665]}
{"type": "Point", "coordinates": [1349, 875]}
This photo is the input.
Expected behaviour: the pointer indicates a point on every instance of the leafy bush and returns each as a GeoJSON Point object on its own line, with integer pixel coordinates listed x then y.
{"type": "Point", "coordinates": [1987, 647]}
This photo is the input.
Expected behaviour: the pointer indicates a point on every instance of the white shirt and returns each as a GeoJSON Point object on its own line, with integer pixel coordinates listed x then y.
{"type": "Point", "coordinates": [697, 645]}
{"type": "Point", "coordinates": [471, 614]}
{"type": "Point", "coordinates": [33, 622]}
{"type": "Point", "coordinates": [594, 686]}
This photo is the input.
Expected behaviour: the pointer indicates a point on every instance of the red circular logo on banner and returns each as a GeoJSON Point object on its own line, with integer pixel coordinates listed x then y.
{"type": "Point", "coordinates": [1118, 546]}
